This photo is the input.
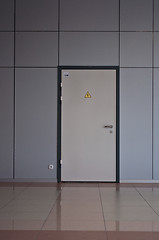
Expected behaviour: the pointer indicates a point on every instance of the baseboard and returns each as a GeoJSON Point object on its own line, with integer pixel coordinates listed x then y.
{"type": "Point", "coordinates": [28, 180]}
{"type": "Point", "coordinates": [139, 181]}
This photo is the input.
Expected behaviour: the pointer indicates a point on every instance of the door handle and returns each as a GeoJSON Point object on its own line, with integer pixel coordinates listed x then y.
{"type": "Point", "coordinates": [108, 126]}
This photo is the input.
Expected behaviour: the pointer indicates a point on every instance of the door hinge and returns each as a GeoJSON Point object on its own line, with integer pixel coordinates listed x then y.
{"type": "Point", "coordinates": [61, 98]}
{"type": "Point", "coordinates": [61, 84]}
{"type": "Point", "coordinates": [61, 162]}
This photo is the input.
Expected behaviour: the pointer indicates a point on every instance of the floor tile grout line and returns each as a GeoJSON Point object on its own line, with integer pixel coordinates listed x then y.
{"type": "Point", "coordinates": [50, 210]}
{"type": "Point", "coordinates": [13, 198]}
{"type": "Point", "coordinates": [102, 210]}
{"type": "Point", "coordinates": [20, 193]}
{"type": "Point", "coordinates": [147, 202]}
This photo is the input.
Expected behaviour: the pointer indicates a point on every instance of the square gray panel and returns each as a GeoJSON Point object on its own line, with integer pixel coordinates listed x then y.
{"type": "Point", "coordinates": [36, 49]}
{"type": "Point", "coordinates": [6, 123]}
{"type": "Point", "coordinates": [6, 15]}
{"type": "Point", "coordinates": [155, 125]}
{"type": "Point", "coordinates": [6, 49]}
{"type": "Point", "coordinates": [89, 15]}
{"type": "Point", "coordinates": [136, 124]}
{"type": "Point", "coordinates": [36, 123]}
{"type": "Point", "coordinates": [156, 49]}
{"type": "Point", "coordinates": [156, 15]}
{"type": "Point", "coordinates": [136, 49]}
{"type": "Point", "coordinates": [89, 48]}
{"type": "Point", "coordinates": [136, 15]}
{"type": "Point", "coordinates": [37, 15]}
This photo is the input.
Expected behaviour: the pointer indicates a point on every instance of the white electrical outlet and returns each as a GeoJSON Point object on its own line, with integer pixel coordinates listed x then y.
{"type": "Point", "coordinates": [50, 166]}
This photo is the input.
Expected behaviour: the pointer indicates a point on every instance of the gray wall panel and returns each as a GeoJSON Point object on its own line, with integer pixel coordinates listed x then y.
{"type": "Point", "coordinates": [136, 15]}
{"type": "Point", "coordinates": [136, 124]}
{"type": "Point", "coordinates": [36, 49]}
{"type": "Point", "coordinates": [156, 49]}
{"type": "Point", "coordinates": [136, 49]}
{"type": "Point", "coordinates": [6, 15]}
{"type": "Point", "coordinates": [6, 123]}
{"type": "Point", "coordinates": [89, 48]}
{"type": "Point", "coordinates": [36, 122]}
{"type": "Point", "coordinates": [156, 15]}
{"type": "Point", "coordinates": [6, 49]}
{"type": "Point", "coordinates": [37, 15]}
{"type": "Point", "coordinates": [155, 126]}
{"type": "Point", "coordinates": [89, 15]}
{"type": "Point", "coordinates": [89, 36]}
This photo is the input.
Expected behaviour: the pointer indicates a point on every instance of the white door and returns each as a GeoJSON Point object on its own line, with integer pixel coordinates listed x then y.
{"type": "Point", "coordinates": [88, 145]}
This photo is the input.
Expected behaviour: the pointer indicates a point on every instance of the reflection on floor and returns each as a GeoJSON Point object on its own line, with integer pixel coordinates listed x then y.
{"type": "Point", "coordinates": [96, 211]}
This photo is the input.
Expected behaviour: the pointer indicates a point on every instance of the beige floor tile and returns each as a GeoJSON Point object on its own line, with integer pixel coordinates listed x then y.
{"type": "Point", "coordinates": [148, 189]}
{"type": "Point", "coordinates": [80, 204]}
{"type": "Point", "coordinates": [122, 196]}
{"type": "Point", "coordinates": [131, 214]}
{"type": "Point", "coordinates": [78, 207]}
{"type": "Point", "coordinates": [156, 226]}
{"type": "Point", "coordinates": [154, 205]}
{"type": "Point", "coordinates": [36, 193]}
{"type": "Point", "coordinates": [38, 215]}
{"type": "Point", "coordinates": [27, 224]}
{"type": "Point", "coordinates": [24, 205]}
{"type": "Point", "coordinates": [141, 226]}
{"type": "Point", "coordinates": [74, 225]}
{"type": "Point", "coordinates": [6, 224]}
{"type": "Point", "coordinates": [123, 203]}
{"type": "Point", "coordinates": [76, 214]}
{"type": "Point", "coordinates": [80, 193]}
{"type": "Point", "coordinates": [6, 215]}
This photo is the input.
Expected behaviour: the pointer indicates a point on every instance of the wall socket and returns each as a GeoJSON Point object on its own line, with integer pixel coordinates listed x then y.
{"type": "Point", "coordinates": [50, 166]}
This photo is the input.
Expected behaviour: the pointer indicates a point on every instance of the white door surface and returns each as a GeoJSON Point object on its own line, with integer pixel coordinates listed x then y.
{"type": "Point", "coordinates": [88, 141]}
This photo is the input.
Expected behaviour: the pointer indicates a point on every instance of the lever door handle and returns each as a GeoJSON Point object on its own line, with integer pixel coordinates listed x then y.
{"type": "Point", "coordinates": [108, 126]}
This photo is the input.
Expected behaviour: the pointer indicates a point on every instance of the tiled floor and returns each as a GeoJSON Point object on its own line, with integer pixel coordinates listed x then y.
{"type": "Point", "coordinates": [85, 211]}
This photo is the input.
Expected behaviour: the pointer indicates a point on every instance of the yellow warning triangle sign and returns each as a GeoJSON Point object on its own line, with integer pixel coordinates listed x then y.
{"type": "Point", "coordinates": [88, 95]}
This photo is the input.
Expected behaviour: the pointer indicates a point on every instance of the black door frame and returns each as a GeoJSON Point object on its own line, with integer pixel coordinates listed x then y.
{"type": "Point", "coordinates": [59, 109]}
